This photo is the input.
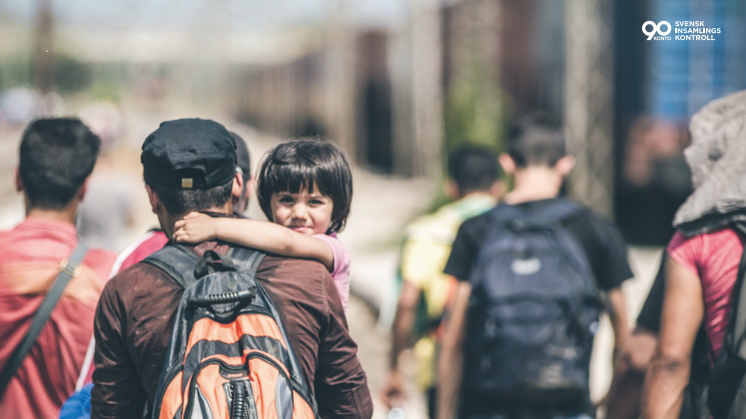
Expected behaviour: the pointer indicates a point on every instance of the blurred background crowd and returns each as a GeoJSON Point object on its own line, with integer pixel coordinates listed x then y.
{"type": "Point", "coordinates": [397, 84]}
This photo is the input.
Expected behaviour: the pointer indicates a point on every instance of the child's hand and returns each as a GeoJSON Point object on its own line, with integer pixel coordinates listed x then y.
{"type": "Point", "coordinates": [195, 228]}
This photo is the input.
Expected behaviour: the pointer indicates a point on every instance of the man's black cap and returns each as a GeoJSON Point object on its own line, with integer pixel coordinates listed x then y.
{"type": "Point", "coordinates": [189, 154]}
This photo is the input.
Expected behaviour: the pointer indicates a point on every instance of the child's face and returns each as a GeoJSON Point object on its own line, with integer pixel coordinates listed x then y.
{"type": "Point", "coordinates": [307, 213]}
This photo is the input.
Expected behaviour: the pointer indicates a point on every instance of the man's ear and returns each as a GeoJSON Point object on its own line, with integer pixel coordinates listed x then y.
{"type": "Point", "coordinates": [246, 194]}
{"type": "Point", "coordinates": [249, 185]}
{"type": "Point", "coordinates": [507, 163]}
{"type": "Point", "coordinates": [450, 187]}
{"type": "Point", "coordinates": [498, 189]}
{"type": "Point", "coordinates": [237, 188]}
{"type": "Point", "coordinates": [82, 190]}
{"type": "Point", "coordinates": [155, 202]}
{"type": "Point", "coordinates": [565, 165]}
{"type": "Point", "coordinates": [19, 181]}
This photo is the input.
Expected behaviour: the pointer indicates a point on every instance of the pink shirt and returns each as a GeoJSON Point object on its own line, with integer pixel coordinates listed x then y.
{"type": "Point", "coordinates": [143, 247]}
{"type": "Point", "coordinates": [30, 256]}
{"type": "Point", "coordinates": [714, 258]}
{"type": "Point", "coordinates": [341, 272]}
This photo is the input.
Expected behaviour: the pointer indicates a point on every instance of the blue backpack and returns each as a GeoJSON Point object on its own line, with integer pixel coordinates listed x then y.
{"type": "Point", "coordinates": [534, 309]}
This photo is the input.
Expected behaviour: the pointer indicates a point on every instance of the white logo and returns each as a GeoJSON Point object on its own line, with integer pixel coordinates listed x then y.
{"type": "Point", "coordinates": [525, 266]}
{"type": "Point", "coordinates": [656, 29]}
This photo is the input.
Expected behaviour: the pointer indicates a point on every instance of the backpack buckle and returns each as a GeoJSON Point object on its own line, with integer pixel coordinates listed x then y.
{"type": "Point", "coordinates": [70, 269]}
{"type": "Point", "coordinates": [213, 261]}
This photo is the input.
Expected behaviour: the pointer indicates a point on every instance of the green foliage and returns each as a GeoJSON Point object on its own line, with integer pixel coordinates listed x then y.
{"type": "Point", "coordinates": [15, 70]}
{"type": "Point", "coordinates": [475, 114]}
{"type": "Point", "coordinates": [105, 90]}
{"type": "Point", "coordinates": [474, 111]}
{"type": "Point", "coordinates": [71, 75]}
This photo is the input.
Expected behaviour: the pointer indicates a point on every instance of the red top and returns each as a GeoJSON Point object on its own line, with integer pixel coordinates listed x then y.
{"type": "Point", "coordinates": [30, 257]}
{"type": "Point", "coordinates": [714, 258]}
{"type": "Point", "coordinates": [143, 247]}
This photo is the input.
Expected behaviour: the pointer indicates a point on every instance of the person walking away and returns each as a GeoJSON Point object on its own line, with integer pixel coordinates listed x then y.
{"type": "Point", "coordinates": [138, 309]}
{"type": "Point", "coordinates": [529, 272]}
{"type": "Point", "coordinates": [78, 406]}
{"type": "Point", "coordinates": [56, 159]}
{"type": "Point", "coordinates": [703, 260]}
{"type": "Point", "coordinates": [474, 183]}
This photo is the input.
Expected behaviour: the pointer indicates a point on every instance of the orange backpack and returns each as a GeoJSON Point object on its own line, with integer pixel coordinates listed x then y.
{"type": "Point", "coordinates": [229, 356]}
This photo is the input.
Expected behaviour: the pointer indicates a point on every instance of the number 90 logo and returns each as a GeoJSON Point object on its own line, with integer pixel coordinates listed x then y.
{"type": "Point", "coordinates": [656, 28]}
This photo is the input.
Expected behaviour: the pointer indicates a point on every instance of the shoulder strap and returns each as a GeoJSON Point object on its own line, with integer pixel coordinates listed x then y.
{"type": "Point", "coordinates": [246, 260]}
{"type": "Point", "coordinates": [177, 261]}
{"type": "Point", "coordinates": [736, 331]}
{"type": "Point", "coordinates": [557, 210]}
{"type": "Point", "coordinates": [69, 270]}
{"type": "Point", "coordinates": [560, 209]}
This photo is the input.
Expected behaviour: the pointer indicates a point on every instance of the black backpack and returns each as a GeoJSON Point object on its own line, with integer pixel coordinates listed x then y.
{"type": "Point", "coordinates": [229, 354]}
{"type": "Point", "coordinates": [726, 392]}
{"type": "Point", "coordinates": [534, 309]}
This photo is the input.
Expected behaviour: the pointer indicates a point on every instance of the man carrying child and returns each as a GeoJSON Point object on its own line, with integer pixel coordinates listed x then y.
{"type": "Point", "coordinates": [138, 307]}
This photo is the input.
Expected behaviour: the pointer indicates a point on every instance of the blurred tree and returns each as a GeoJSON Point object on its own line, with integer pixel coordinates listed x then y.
{"type": "Point", "coordinates": [71, 75]}
{"type": "Point", "coordinates": [43, 53]}
{"type": "Point", "coordinates": [474, 106]}
{"type": "Point", "coordinates": [14, 71]}
{"type": "Point", "coordinates": [474, 111]}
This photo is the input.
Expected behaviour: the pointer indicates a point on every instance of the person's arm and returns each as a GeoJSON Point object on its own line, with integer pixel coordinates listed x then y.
{"type": "Point", "coordinates": [625, 391]}
{"type": "Point", "coordinates": [262, 235]}
{"type": "Point", "coordinates": [668, 373]}
{"type": "Point", "coordinates": [394, 388]}
{"type": "Point", "coordinates": [450, 360]}
{"type": "Point", "coordinates": [618, 316]}
{"type": "Point", "coordinates": [340, 383]}
{"type": "Point", "coordinates": [624, 399]}
{"type": "Point", "coordinates": [117, 391]}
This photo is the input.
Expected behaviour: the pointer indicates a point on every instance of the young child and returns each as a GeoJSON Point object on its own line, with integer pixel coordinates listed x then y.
{"type": "Point", "coordinates": [305, 188]}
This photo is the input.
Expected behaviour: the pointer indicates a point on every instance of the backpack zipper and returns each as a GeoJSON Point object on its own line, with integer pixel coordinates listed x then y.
{"type": "Point", "coordinates": [193, 379]}
{"type": "Point", "coordinates": [295, 386]}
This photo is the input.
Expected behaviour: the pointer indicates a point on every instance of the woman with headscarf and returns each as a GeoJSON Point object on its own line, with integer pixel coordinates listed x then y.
{"type": "Point", "coordinates": [704, 254]}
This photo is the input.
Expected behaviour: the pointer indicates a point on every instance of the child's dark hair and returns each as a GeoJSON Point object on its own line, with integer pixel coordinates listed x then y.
{"type": "Point", "coordinates": [536, 140]}
{"type": "Point", "coordinates": [297, 164]}
{"type": "Point", "coordinates": [473, 168]}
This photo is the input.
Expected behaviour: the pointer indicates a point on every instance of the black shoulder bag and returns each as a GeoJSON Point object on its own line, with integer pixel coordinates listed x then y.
{"type": "Point", "coordinates": [69, 270]}
{"type": "Point", "coordinates": [726, 396]}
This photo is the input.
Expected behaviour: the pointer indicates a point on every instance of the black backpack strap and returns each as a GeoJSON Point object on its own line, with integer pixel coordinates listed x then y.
{"type": "Point", "coordinates": [69, 269]}
{"type": "Point", "coordinates": [558, 210]}
{"type": "Point", "coordinates": [248, 261]}
{"type": "Point", "coordinates": [555, 211]}
{"type": "Point", "coordinates": [177, 261]}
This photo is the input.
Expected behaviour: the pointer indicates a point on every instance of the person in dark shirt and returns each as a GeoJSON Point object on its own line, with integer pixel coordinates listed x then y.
{"type": "Point", "coordinates": [538, 165]}
{"type": "Point", "coordinates": [190, 165]}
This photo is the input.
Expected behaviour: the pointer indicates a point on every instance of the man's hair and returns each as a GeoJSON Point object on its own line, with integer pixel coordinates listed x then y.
{"type": "Point", "coordinates": [243, 157]}
{"type": "Point", "coordinates": [56, 157]}
{"type": "Point", "coordinates": [473, 168]}
{"type": "Point", "coordinates": [301, 164]}
{"type": "Point", "coordinates": [536, 140]}
{"type": "Point", "coordinates": [179, 201]}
